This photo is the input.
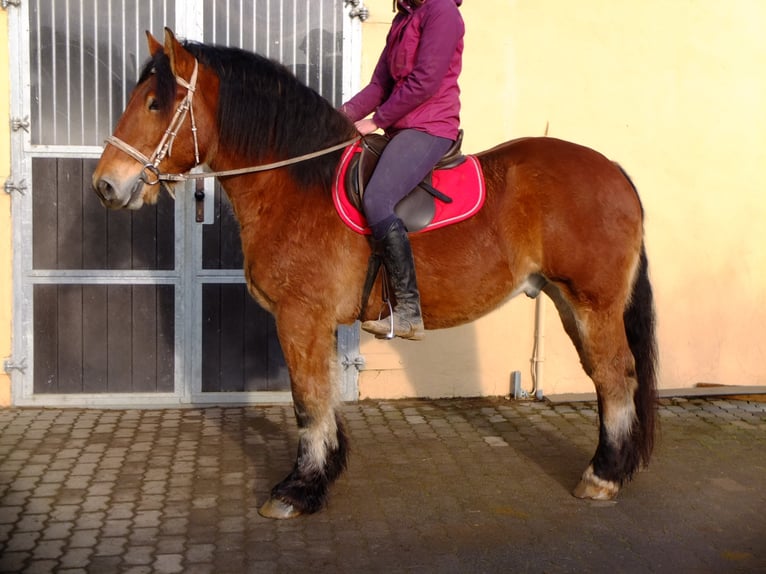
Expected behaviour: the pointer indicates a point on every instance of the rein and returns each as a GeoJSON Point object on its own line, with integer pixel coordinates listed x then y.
{"type": "Point", "coordinates": [151, 174]}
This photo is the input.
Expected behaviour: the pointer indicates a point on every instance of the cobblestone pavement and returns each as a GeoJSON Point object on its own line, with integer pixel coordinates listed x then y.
{"type": "Point", "coordinates": [479, 485]}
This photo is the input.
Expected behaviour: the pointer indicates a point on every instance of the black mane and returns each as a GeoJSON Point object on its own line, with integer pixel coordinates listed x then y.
{"type": "Point", "coordinates": [264, 111]}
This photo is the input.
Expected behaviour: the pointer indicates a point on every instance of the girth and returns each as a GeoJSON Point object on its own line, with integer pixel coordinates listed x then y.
{"type": "Point", "coordinates": [417, 209]}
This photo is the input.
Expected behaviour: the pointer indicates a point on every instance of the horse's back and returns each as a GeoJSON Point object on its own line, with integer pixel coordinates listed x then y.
{"type": "Point", "coordinates": [559, 180]}
{"type": "Point", "coordinates": [558, 165]}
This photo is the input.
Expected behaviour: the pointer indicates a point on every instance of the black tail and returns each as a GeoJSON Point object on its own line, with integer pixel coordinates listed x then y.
{"type": "Point", "coordinates": [639, 321]}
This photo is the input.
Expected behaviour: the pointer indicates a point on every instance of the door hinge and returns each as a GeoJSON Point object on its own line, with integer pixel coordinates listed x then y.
{"type": "Point", "coordinates": [357, 361]}
{"type": "Point", "coordinates": [20, 124]}
{"type": "Point", "coordinates": [5, 3]}
{"type": "Point", "coordinates": [10, 186]}
{"type": "Point", "coordinates": [11, 365]}
{"type": "Point", "coordinates": [358, 11]}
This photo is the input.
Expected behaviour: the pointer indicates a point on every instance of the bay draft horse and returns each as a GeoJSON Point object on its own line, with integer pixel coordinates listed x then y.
{"type": "Point", "coordinates": [558, 217]}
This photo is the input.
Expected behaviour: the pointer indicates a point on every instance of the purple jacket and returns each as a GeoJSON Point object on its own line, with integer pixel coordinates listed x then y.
{"type": "Point", "coordinates": [415, 83]}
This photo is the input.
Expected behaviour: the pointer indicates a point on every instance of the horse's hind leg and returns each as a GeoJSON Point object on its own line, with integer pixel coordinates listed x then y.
{"type": "Point", "coordinates": [308, 343]}
{"type": "Point", "coordinates": [602, 345]}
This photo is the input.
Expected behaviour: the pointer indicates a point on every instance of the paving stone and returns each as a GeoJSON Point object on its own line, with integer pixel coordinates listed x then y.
{"type": "Point", "coordinates": [57, 530]}
{"type": "Point", "coordinates": [41, 566]}
{"type": "Point", "coordinates": [139, 555]}
{"type": "Point", "coordinates": [170, 545]}
{"type": "Point", "coordinates": [112, 546]}
{"type": "Point", "coordinates": [168, 563]}
{"type": "Point", "coordinates": [31, 523]}
{"type": "Point", "coordinates": [13, 561]}
{"type": "Point", "coordinates": [99, 564]}
{"type": "Point", "coordinates": [10, 514]}
{"type": "Point", "coordinates": [21, 541]}
{"type": "Point", "coordinates": [141, 536]}
{"type": "Point", "coordinates": [48, 549]}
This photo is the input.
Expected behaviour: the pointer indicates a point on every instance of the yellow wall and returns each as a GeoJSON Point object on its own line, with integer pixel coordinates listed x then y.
{"type": "Point", "coordinates": [6, 299]}
{"type": "Point", "coordinates": [675, 92]}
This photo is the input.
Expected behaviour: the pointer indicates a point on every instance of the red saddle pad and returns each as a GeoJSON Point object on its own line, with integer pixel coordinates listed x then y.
{"type": "Point", "coordinates": [464, 184]}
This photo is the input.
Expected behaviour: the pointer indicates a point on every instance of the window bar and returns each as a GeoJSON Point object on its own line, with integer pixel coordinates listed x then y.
{"type": "Point", "coordinates": [334, 73]}
{"type": "Point", "coordinates": [241, 13]}
{"type": "Point", "coordinates": [229, 33]}
{"type": "Point", "coordinates": [82, 74]}
{"type": "Point", "coordinates": [138, 39]}
{"type": "Point", "coordinates": [96, 61]}
{"type": "Point", "coordinates": [39, 71]}
{"type": "Point", "coordinates": [307, 46]}
{"type": "Point", "coordinates": [54, 75]}
{"type": "Point", "coordinates": [281, 39]}
{"type": "Point", "coordinates": [226, 23]}
{"type": "Point", "coordinates": [254, 27]}
{"type": "Point", "coordinates": [320, 50]}
{"type": "Point", "coordinates": [293, 49]}
{"type": "Point", "coordinates": [109, 62]}
{"type": "Point", "coordinates": [124, 58]}
{"type": "Point", "coordinates": [268, 29]}
{"type": "Point", "coordinates": [68, 72]}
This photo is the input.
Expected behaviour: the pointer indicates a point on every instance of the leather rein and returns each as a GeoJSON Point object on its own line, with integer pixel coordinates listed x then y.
{"type": "Point", "coordinates": [151, 175]}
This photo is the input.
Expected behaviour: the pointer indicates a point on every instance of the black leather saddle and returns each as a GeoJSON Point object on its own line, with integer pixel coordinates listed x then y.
{"type": "Point", "coordinates": [418, 208]}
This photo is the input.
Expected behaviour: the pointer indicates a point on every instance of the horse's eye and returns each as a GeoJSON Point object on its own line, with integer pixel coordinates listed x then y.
{"type": "Point", "coordinates": [153, 104]}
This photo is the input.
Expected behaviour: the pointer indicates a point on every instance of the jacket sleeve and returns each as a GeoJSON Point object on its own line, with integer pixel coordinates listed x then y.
{"type": "Point", "coordinates": [439, 39]}
{"type": "Point", "coordinates": [371, 96]}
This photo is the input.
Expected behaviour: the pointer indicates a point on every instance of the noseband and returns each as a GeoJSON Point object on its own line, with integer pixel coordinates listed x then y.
{"type": "Point", "coordinates": [151, 175]}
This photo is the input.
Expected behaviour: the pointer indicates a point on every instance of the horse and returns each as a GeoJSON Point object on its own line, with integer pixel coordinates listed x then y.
{"type": "Point", "coordinates": [559, 218]}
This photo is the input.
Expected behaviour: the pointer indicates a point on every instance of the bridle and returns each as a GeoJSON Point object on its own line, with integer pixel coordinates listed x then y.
{"type": "Point", "coordinates": [151, 175]}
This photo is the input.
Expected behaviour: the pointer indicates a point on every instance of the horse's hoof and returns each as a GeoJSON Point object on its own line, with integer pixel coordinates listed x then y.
{"type": "Point", "coordinates": [275, 508]}
{"type": "Point", "coordinates": [595, 488]}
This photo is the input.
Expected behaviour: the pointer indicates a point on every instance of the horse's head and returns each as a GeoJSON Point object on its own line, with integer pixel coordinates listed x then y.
{"type": "Point", "coordinates": [167, 127]}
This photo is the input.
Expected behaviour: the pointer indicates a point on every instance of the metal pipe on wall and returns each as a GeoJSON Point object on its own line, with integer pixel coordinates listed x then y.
{"type": "Point", "coordinates": [538, 353]}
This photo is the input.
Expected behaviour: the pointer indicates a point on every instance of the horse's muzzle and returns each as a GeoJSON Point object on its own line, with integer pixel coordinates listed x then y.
{"type": "Point", "coordinates": [114, 196]}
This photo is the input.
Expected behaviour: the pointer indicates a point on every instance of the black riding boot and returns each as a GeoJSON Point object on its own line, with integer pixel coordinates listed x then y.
{"type": "Point", "coordinates": [398, 261]}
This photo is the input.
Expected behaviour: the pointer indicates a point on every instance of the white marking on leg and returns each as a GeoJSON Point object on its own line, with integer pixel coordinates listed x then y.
{"type": "Point", "coordinates": [318, 440]}
{"type": "Point", "coordinates": [619, 419]}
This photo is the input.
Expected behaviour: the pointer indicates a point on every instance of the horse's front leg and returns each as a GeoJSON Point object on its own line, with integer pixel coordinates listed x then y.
{"type": "Point", "coordinates": [308, 343]}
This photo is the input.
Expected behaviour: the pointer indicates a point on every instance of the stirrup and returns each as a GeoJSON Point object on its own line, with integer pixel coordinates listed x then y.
{"type": "Point", "coordinates": [390, 335]}
{"type": "Point", "coordinates": [387, 300]}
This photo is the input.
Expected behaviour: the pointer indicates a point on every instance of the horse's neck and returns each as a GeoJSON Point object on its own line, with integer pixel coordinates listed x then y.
{"type": "Point", "coordinates": [270, 198]}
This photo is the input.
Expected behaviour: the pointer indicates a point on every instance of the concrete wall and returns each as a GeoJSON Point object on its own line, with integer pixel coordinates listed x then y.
{"type": "Point", "coordinates": [675, 92]}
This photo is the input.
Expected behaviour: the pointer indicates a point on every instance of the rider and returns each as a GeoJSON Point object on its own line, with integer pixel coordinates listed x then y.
{"type": "Point", "coordinates": [415, 97]}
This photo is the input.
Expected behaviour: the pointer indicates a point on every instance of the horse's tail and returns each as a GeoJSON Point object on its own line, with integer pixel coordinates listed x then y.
{"type": "Point", "coordinates": [639, 319]}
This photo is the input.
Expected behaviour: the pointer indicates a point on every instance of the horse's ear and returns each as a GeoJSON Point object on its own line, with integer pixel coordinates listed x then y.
{"type": "Point", "coordinates": [154, 45]}
{"type": "Point", "coordinates": [181, 61]}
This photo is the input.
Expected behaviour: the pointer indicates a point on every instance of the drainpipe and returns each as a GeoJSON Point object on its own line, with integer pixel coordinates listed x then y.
{"type": "Point", "coordinates": [538, 352]}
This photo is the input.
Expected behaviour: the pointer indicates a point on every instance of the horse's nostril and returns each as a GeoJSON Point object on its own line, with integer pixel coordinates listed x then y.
{"type": "Point", "coordinates": [104, 189]}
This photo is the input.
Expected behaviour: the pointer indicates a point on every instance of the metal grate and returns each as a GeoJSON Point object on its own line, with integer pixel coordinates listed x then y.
{"type": "Point", "coordinates": [305, 35]}
{"type": "Point", "coordinates": [85, 56]}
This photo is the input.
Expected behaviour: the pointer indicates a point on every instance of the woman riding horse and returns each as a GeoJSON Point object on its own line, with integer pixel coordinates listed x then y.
{"type": "Point", "coordinates": [416, 99]}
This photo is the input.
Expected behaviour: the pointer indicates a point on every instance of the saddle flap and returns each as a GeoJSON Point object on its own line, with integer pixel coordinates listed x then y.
{"type": "Point", "coordinates": [418, 208]}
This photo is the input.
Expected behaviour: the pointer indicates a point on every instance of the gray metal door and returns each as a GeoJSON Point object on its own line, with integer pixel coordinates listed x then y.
{"type": "Point", "coordinates": [148, 306]}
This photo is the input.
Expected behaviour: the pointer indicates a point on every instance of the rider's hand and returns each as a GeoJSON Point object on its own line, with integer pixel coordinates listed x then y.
{"type": "Point", "coordinates": [365, 126]}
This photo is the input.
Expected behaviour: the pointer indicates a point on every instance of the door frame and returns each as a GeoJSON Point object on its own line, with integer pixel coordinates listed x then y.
{"type": "Point", "coordinates": [187, 280]}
